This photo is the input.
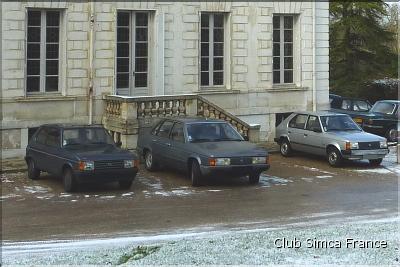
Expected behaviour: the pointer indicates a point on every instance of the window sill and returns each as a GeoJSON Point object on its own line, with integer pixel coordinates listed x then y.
{"type": "Point", "coordinates": [47, 97]}
{"type": "Point", "coordinates": [286, 87]}
{"type": "Point", "coordinates": [215, 90]}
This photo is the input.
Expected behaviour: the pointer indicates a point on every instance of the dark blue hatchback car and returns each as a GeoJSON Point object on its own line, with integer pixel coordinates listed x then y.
{"type": "Point", "coordinates": [79, 154]}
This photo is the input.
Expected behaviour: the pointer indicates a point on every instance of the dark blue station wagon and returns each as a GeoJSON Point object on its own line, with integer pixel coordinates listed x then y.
{"type": "Point", "coordinates": [79, 154]}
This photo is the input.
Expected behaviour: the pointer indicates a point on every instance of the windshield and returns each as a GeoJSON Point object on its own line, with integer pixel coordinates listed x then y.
{"type": "Point", "coordinates": [385, 108]}
{"type": "Point", "coordinates": [86, 136]}
{"type": "Point", "coordinates": [338, 123]}
{"type": "Point", "coordinates": [209, 132]}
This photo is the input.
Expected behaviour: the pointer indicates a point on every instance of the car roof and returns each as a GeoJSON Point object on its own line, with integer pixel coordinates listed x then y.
{"type": "Point", "coordinates": [193, 119]}
{"type": "Point", "coordinates": [320, 113]}
{"type": "Point", "coordinates": [389, 101]}
{"type": "Point", "coordinates": [71, 126]}
{"type": "Point", "coordinates": [346, 97]}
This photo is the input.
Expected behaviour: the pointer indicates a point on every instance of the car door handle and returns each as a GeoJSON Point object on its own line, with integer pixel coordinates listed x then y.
{"type": "Point", "coordinates": [289, 132]}
{"type": "Point", "coordinates": [305, 135]}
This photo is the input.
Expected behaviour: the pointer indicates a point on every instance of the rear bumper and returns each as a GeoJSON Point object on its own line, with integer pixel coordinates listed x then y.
{"type": "Point", "coordinates": [105, 176]}
{"type": "Point", "coordinates": [233, 170]}
{"type": "Point", "coordinates": [365, 154]}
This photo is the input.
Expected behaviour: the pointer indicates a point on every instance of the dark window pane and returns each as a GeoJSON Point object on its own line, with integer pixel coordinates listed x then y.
{"type": "Point", "coordinates": [33, 18]}
{"type": "Point", "coordinates": [204, 63]}
{"type": "Point", "coordinates": [218, 63]}
{"type": "Point", "coordinates": [32, 84]}
{"type": "Point", "coordinates": [122, 34]}
{"type": "Point", "coordinates": [52, 35]}
{"type": "Point", "coordinates": [288, 22]}
{"type": "Point", "coordinates": [51, 84]}
{"type": "Point", "coordinates": [33, 34]}
{"type": "Point", "coordinates": [123, 80]}
{"type": "Point", "coordinates": [277, 49]}
{"type": "Point", "coordinates": [141, 65]}
{"type": "Point", "coordinates": [52, 51]}
{"type": "Point", "coordinates": [218, 78]}
{"type": "Point", "coordinates": [204, 49]}
{"type": "Point", "coordinates": [141, 34]}
{"type": "Point", "coordinates": [288, 36]}
{"type": "Point", "coordinates": [123, 19]}
{"type": "Point", "coordinates": [122, 50]}
{"type": "Point", "coordinates": [205, 20]}
{"type": "Point", "coordinates": [141, 19]}
{"type": "Point", "coordinates": [122, 64]}
{"type": "Point", "coordinates": [33, 67]}
{"type": "Point", "coordinates": [204, 79]}
{"type": "Point", "coordinates": [288, 76]}
{"type": "Point", "coordinates": [51, 67]}
{"type": "Point", "coordinates": [52, 18]}
{"type": "Point", "coordinates": [277, 63]}
{"type": "Point", "coordinates": [218, 35]}
{"type": "Point", "coordinates": [218, 49]}
{"type": "Point", "coordinates": [219, 20]}
{"type": "Point", "coordinates": [288, 63]}
{"type": "Point", "coordinates": [276, 22]}
{"type": "Point", "coordinates": [277, 77]}
{"type": "Point", "coordinates": [204, 35]}
{"type": "Point", "coordinates": [141, 49]}
{"type": "Point", "coordinates": [141, 80]}
{"type": "Point", "coordinates": [33, 51]}
{"type": "Point", "coordinates": [277, 36]}
{"type": "Point", "coordinates": [288, 49]}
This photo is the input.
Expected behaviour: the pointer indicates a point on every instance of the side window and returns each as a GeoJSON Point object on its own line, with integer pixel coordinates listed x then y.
{"type": "Point", "coordinates": [313, 123]}
{"type": "Point", "coordinates": [346, 104]}
{"type": "Point", "coordinates": [156, 128]}
{"type": "Point", "coordinates": [53, 137]}
{"type": "Point", "coordinates": [360, 106]}
{"type": "Point", "coordinates": [165, 129]}
{"type": "Point", "coordinates": [177, 133]}
{"type": "Point", "coordinates": [298, 121]}
{"type": "Point", "coordinates": [42, 136]}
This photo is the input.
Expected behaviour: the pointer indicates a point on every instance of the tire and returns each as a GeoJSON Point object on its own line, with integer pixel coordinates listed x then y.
{"type": "Point", "coordinates": [334, 157]}
{"type": "Point", "coordinates": [254, 178]}
{"type": "Point", "coordinates": [285, 148]}
{"type": "Point", "coordinates": [149, 163]}
{"type": "Point", "coordinates": [125, 184]}
{"type": "Point", "coordinates": [195, 174]}
{"type": "Point", "coordinates": [69, 181]}
{"type": "Point", "coordinates": [391, 134]}
{"type": "Point", "coordinates": [375, 162]}
{"type": "Point", "coordinates": [33, 173]}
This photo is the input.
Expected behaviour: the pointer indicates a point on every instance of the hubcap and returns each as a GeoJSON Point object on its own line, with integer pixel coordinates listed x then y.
{"type": "Point", "coordinates": [284, 148]}
{"type": "Point", "coordinates": [332, 157]}
{"type": "Point", "coordinates": [149, 159]}
{"type": "Point", "coordinates": [392, 135]}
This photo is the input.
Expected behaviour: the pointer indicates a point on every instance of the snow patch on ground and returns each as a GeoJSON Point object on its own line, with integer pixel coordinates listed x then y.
{"type": "Point", "coordinates": [267, 180]}
{"type": "Point", "coordinates": [313, 169]}
{"type": "Point", "coordinates": [307, 179]}
{"type": "Point", "coordinates": [324, 176]}
{"type": "Point", "coordinates": [9, 196]}
{"type": "Point", "coordinates": [4, 179]}
{"type": "Point", "coordinates": [36, 189]}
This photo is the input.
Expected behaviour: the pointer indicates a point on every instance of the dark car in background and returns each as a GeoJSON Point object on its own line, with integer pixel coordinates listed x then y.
{"type": "Point", "coordinates": [201, 147]}
{"type": "Point", "coordinates": [351, 106]}
{"type": "Point", "coordinates": [79, 154]}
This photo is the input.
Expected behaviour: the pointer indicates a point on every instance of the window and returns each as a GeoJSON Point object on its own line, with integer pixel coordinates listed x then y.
{"type": "Point", "coordinates": [359, 105]}
{"type": "Point", "coordinates": [298, 121]}
{"type": "Point", "coordinates": [313, 123]}
{"type": "Point", "coordinates": [53, 137]}
{"type": "Point", "coordinates": [346, 104]}
{"type": "Point", "coordinates": [42, 136]}
{"type": "Point", "coordinates": [282, 49]}
{"type": "Point", "coordinates": [165, 129]}
{"type": "Point", "coordinates": [132, 50]}
{"type": "Point", "coordinates": [177, 133]}
{"type": "Point", "coordinates": [42, 51]}
{"type": "Point", "coordinates": [212, 49]}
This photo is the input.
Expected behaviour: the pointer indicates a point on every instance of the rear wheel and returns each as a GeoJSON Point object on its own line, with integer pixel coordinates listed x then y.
{"type": "Point", "coordinates": [33, 173]}
{"type": "Point", "coordinates": [334, 157]}
{"type": "Point", "coordinates": [285, 148]}
{"type": "Point", "coordinates": [391, 134]}
{"type": "Point", "coordinates": [254, 178]}
{"type": "Point", "coordinates": [150, 164]}
{"type": "Point", "coordinates": [69, 181]}
{"type": "Point", "coordinates": [195, 174]}
{"type": "Point", "coordinates": [125, 184]}
{"type": "Point", "coordinates": [375, 162]}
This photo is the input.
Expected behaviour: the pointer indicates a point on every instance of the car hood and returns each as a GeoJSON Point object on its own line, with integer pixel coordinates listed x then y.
{"type": "Point", "coordinates": [229, 149]}
{"type": "Point", "coordinates": [102, 153]}
{"type": "Point", "coordinates": [354, 136]}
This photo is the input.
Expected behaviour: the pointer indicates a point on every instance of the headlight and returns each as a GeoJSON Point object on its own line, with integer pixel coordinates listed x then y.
{"type": "Point", "coordinates": [260, 160]}
{"type": "Point", "coordinates": [86, 165]}
{"type": "Point", "coordinates": [383, 144]}
{"type": "Point", "coordinates": [130, 163]}
{"type": "Point", "coordinates": [219, 161]}
{"type": "Point", "coordinates": [351, 145]}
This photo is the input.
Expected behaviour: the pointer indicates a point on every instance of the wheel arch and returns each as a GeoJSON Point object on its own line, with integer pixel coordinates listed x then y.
{"type": "Point", "coordinates": [333, 145]}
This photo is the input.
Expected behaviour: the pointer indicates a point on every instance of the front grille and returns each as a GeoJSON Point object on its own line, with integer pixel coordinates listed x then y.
{"type": "Point", "coordinates": [108, 164]}
{"type": "Point", "coordinates": [241, 161]}
{"type": "Point", "coordinates": [369, 145]}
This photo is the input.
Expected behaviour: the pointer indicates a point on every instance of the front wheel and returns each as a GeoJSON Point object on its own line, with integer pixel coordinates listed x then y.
{"type": "Point", "coordinates": [285, 148]}
{"type": "Point", "coordinates": [195, 174]}
{"type": "Point", "coordinates": [254, 178]}
{"type": "Point", "coordinates": [375, 162]}
{"type": "Point", "coordinates": [125, 184]}
{"type": "Point", "coordinates": [391, 134]}
{"type": "Point", "coordinates": [33, 173]}
{"type": "Point", "coordinates": [334, 157]}
{"type": "Point", "coordinates": [149, 162]}
{"type": "Point", "coordinates": [69, 181]}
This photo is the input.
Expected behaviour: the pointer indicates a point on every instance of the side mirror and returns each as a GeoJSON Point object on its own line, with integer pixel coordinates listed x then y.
{"type": "Point", "coordinates": [317, 130]}
{"type": "Point", "coordinates": [119, 144]}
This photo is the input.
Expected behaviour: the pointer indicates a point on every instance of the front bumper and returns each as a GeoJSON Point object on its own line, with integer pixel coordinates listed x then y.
{"type": "Point", "coordinates": [235, 170]}
{"type": "Point", "coordinates": [365, 154]}
{"type": "Point", "coordinates": [105, 176]}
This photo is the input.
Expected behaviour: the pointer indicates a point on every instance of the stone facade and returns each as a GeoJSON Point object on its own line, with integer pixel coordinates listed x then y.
{"type": "Point", "coordinates": [174, 41]}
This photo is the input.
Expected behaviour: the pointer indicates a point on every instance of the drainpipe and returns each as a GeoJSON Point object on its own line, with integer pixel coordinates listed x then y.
{"type": "Point", "coordinates": [90, 91]}
{"type": "Point", "coordinates": [314, 90]}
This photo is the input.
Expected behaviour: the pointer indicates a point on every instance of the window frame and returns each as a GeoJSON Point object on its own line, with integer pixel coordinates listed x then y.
{"type": "Point", "coordinates": [158, 130]}
{"type": "Point", "coordinates": [308, 120]}
{"type": "Point", "coordinates": [176, 124]}
{"type": "Point", "coordinates": [282, 43]}
{"type": "Point", "coordinates": [305, 122]}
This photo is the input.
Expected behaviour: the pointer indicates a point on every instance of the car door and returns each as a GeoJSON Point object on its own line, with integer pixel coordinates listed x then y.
{"type": "Point", "coordinates": [313, 136]}
{"type": "Point", "coordinates": [161, 144]}
{"type": "Point", "coordinates": [296, 131]}
{"type": "Point", "coordinates": [178, 152]}
{"type": "Point", "coordinates": [54, 156]}
{"type": "Point", "coordinates": [36, 148]}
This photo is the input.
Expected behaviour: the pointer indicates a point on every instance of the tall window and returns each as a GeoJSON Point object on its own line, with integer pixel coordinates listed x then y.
{"type": "Point", "coordinates": [283, 49]}
{"type": "Point", "coordinates": [132, 50]}
{"type": "Point", "coordinates": [212, 49]}
{"type": "Point", "coordinates": [42, 61]}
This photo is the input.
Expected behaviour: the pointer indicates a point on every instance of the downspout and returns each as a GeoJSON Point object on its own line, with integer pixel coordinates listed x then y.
{"type": "Point", "coordinates": [314, 90]}
{"type": "Point", "coordinates": [90, 91]}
